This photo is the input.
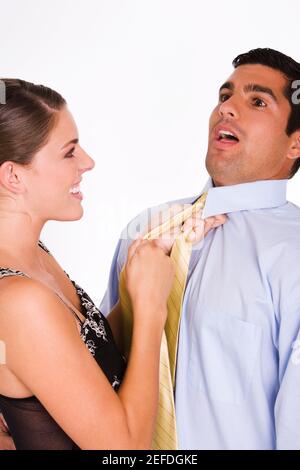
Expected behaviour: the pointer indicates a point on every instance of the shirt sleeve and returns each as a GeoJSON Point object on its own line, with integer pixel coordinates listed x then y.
{"type": "Point", "coordinates": [280, 261]}
{"type": "Point", "coordinates": [287, 407]}
{"type": "Point", "coordinates": [287, 404]}
{"type": "Point", "coordinates": [111, 295]}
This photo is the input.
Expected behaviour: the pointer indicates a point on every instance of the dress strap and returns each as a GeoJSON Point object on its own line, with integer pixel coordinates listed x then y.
{"type": "Point", "coordinates": [5, 272]}
{"type": "Point", "coordinates": [41, 244]}
{"type": "Point", "coordinates": [70, 308]}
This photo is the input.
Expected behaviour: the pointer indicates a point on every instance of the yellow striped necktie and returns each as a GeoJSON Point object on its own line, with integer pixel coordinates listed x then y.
{"type": "Point", "coordinates": [165, 435]}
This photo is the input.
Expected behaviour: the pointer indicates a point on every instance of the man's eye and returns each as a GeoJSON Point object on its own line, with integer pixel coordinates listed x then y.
{"type": "Point", "coordinates": [259, 103]}
{"type": "Point", "coordinates": [223, 97]}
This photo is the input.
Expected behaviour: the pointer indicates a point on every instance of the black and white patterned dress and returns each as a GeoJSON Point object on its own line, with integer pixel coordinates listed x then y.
{"type": "Point", "coordinates": [29, 422]}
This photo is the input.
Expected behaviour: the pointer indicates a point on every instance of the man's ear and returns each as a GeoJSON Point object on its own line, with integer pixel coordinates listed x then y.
{"type": "Point", "coordinates": [294, 149]}
{"type": "Point", "coordinates": [10, 177]}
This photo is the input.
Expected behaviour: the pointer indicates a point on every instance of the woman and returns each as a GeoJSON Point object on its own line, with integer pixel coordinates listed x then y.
{"type": "Point", "coordinates": [63, 384]}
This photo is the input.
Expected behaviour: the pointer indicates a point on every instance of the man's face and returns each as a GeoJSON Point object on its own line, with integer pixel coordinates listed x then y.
{"type": "Point", "coordinates": [253, 108]}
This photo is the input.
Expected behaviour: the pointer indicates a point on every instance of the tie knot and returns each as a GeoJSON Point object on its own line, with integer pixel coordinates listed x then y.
{"type": "Point", "coordinates": [177, 219]}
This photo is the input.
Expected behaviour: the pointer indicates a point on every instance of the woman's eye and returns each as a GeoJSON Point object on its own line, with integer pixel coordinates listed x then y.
{"type": "Point", "coordinates": [70, 154]}
{"type": "Point", "coordinates": [259, 103]}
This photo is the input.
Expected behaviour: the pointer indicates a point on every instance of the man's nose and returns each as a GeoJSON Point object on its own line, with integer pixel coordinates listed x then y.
{"type": "Point", "coordinates": [229, 108]}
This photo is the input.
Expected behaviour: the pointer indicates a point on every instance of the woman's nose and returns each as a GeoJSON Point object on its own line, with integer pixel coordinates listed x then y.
{"type": "Point", "coordinates": [86, 163]}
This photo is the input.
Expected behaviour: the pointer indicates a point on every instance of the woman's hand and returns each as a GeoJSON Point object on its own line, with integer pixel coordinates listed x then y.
{"type": "Point", "coordinates": [197, 229]}
{"type": "Point", "coordinates": [194, 228]}
{"type": "Point", "coordinates": [149, 276]}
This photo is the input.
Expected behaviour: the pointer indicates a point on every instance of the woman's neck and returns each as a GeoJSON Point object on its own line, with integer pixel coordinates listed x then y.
{"type": "Point", "coordinates": [19, 236]}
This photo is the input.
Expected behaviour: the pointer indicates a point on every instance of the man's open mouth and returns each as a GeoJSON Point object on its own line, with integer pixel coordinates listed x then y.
{"type": "Point", "coordinates": [226, 136]}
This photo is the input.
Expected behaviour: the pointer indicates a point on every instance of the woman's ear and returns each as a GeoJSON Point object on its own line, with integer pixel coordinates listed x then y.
{"type": "Point", "coordinates": [10, 177]}
{"type": "Point", "coordinates": [294, 150]}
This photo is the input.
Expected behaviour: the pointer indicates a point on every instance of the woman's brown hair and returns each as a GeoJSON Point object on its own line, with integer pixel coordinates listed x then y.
{"type": "Point", "coordinates": [27, 116]}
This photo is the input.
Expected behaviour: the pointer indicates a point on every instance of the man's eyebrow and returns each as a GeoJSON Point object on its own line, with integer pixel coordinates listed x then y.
{"type": "Point", "coordinates": [250, 88]}
{"type": "Point", "coordinates": [228, 86]}
{"type": "Point", "coordinates": [74, 141]}
{"type": "Point", "coordinates": [260, 89]}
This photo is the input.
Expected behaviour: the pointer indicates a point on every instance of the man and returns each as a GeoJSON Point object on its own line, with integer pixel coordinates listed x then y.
{"type": "Point", "coordinates": [238, 367]}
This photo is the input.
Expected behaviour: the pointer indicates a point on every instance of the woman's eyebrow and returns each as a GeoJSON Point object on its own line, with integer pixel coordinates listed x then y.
{"type": "Point", "coordinates": [74, 141]}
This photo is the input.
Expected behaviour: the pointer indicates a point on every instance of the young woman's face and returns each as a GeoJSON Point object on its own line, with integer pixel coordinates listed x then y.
{"type": "Point", "coordinates": [52, 180]}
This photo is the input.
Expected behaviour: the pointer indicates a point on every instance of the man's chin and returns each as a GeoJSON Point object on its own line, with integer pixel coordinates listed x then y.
{"type": "Point", "coordinates": [222, 173]}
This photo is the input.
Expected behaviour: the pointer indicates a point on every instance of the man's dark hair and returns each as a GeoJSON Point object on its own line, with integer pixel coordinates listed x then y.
{"type": "Point", "coordinates": [291, 70]}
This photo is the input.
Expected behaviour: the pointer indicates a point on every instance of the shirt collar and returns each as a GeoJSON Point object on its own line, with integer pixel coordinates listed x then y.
{"type": "Point", "coordinates": [246, 196]}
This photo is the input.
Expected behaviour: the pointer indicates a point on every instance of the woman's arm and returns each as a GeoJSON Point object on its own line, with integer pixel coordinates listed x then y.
{"type": "Point", "coordinates": [45, 351]}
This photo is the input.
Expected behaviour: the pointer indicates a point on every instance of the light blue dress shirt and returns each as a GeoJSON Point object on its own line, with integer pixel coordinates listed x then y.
{"type": "Point", "coordinates": [238, 369]}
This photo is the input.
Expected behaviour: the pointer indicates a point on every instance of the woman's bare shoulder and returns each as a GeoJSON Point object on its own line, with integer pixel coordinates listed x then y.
{"type": "Point", "coordinates": [23, 298]}
{"type": "Point", "coordinates": [32, 317]}
{"type": "Point", "coordinates": [16, 288]}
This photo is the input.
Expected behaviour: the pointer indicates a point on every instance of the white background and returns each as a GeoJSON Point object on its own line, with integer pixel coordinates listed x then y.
{"type": "Point", "coordinates": [140, 77]}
